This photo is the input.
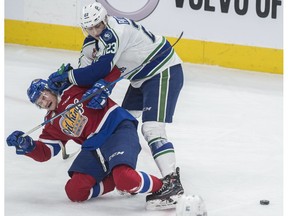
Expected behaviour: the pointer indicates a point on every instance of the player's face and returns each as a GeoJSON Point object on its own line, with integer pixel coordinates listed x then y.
{"type": "Point", "coordinates": [47, 100]}
{"type": "Point", "coordinates": [96, 30]}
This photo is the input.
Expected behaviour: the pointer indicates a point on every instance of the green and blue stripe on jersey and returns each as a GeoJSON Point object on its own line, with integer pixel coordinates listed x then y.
{"type": "Point", "coordinates": [161, 55]}
{"type": "Point", "coordinates": [99, 69]}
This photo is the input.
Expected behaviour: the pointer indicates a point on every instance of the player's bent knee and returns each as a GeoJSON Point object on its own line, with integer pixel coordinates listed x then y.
{"type": "Point", "coordinates": [126, 178]}
{"type": "Point", "coordinates": [78, 188]}
{"type": "Point", "coordinates": [153, 130]}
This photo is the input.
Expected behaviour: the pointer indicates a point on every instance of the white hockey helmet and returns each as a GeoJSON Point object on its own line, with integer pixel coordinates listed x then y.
{"type": "Point", "coordinates": [191, 205]}
{"type": "Point", "coordinates": [92, 15]}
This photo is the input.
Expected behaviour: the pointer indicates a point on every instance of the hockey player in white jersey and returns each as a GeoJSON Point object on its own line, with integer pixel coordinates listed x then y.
{"type": "Point", "coordinates": [113, 42]}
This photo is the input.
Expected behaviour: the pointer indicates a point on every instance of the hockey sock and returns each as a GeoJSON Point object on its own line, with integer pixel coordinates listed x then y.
{"type": "Point", "coordinates": [82, 187]}
{"type": "Point", "coordinates": [149, 183]}
{"type": "Point", "coordinates": [107, 185]}
{"type": "Point", "coordinates": [161, 149]}
{"type": "Point", "coordinates": [164, 155]}
{"type": "Point", "coordinates": [129, 180]}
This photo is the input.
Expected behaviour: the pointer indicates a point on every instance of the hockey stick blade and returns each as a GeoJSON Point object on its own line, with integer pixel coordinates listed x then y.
{"type": "Point", "coordinates": [65, 156]}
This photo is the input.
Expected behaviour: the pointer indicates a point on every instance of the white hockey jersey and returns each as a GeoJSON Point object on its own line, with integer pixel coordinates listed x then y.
{"type": "Point", "coordinates": [126, 44]}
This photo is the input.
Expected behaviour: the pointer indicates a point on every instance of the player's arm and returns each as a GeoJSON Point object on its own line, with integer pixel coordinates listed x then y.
{"type": "Point", "coordinates": [44, 151]}
{"type": "Point", "coordinates": [88, 52]}
{"type": "Point", "coordinates": [103, 64]}
{"type": "Point", "coordinates": [38, 150]}
{"type": "Point", "coordinates": [90, 74]}
{"type": "Point", "coordinates": [101, 90]}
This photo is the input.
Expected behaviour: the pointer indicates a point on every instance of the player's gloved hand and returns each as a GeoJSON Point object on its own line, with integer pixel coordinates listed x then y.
{"type": "Point", "coordinates": [58, 80]}
{"type": "Point", "coordinates": [100, 99]}
{"type": "Point", "coordinates": [23, 145]}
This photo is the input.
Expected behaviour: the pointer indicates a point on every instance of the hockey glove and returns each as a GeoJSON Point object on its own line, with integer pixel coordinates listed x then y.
{"type": "Point", "coordinates": [23, 145]}
{"type": "Point", "coordinates": [58, 80]}
{"type": "Point", "coordinates": [99, 100]}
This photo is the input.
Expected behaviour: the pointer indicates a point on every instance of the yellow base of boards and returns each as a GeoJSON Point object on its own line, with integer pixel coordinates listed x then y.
{"type": "Point", "coordinates": [193, 51]}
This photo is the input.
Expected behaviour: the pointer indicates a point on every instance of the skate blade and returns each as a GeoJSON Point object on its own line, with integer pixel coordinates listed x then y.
{"type": "Point", "coordinates": [159, 204]}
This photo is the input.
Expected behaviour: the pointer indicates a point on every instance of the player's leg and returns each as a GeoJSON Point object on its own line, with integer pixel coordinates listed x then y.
{"type": "Point", "coordinates": [82, 187]}
{"type": "Point", "coordinates": [133, 101]}
{"type": "Point", "coordinates": [87, 178]}
{"type": "Point", "coordinates": [121, 152]}
{"type": "Point", "coordinates": [160, 95]}
{"type": "Point", "coordinates": [129, 180]}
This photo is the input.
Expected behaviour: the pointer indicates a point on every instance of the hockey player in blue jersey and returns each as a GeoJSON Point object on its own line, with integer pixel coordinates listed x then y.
{"type": "Point", "coordinates": [120, 42]}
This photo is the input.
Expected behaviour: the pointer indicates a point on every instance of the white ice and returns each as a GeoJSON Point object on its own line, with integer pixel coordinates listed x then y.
{"type": "Point", "coordinates": [227, 133]}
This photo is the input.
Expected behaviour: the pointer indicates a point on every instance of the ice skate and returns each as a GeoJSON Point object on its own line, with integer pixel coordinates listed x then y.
{"type": "Point", "coordinates": [168, 195]}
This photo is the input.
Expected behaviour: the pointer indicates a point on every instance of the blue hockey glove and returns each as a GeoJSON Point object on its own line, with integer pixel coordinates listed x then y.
{"type": "Point", "coordinates": [99, 100]}
{"type": "Point", "coordinates": [23, 145]}
{"type": "Point", "coordinates": [58, 80]}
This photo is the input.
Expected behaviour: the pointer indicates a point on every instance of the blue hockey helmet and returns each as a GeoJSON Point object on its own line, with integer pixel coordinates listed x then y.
{"type": "Point", "coordinates": [35, 89]}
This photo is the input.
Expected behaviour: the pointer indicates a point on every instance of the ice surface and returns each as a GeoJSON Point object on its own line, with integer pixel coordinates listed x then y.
{"type": "Point", "coordinates": [227, 133]}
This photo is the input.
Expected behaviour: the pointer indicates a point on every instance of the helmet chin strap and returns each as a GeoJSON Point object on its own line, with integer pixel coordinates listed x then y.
{"type": "Point", "coordinates": [105, 21]}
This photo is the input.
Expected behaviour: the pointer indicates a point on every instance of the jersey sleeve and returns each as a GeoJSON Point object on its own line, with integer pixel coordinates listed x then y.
{"type": "Point", "coordinates": [88, 52]}
{"type": "Point", "coordinates": [47, 145]}
{"type": "Point", "coordinates": [41, 152]}
{"type": "Point", "coordinates": [103, 64]}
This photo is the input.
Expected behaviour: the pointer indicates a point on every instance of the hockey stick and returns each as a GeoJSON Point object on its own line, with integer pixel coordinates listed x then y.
{"type": "Point", "coordinates": [99, 90]}
{"type": "Point", "coordinates": [64, 154]}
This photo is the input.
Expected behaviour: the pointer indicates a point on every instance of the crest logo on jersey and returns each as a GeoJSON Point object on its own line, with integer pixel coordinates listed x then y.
{"type": "Point", "coordinates": [107, 36]}
{"type": "Point", "coordinates": [73, 122]}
